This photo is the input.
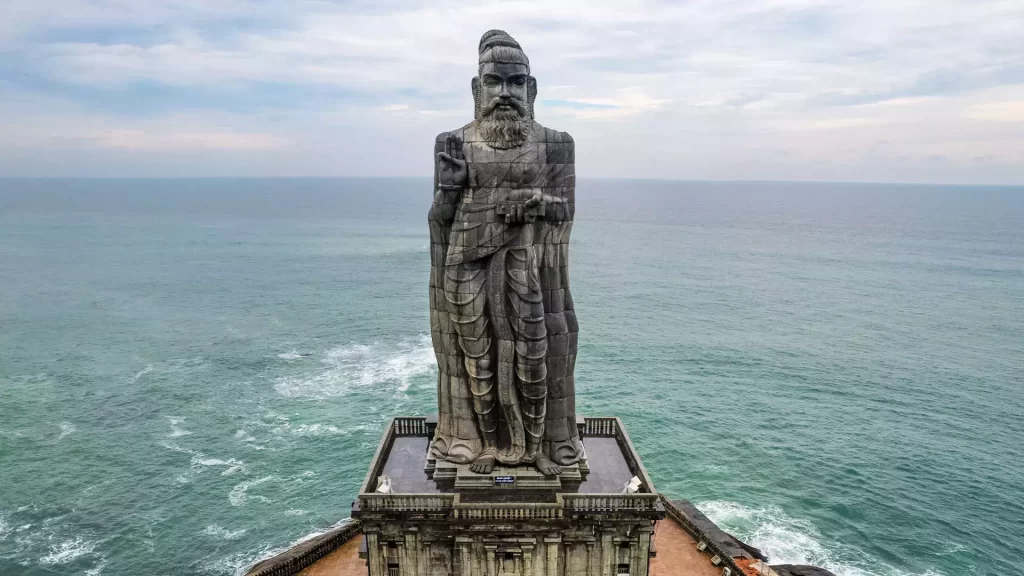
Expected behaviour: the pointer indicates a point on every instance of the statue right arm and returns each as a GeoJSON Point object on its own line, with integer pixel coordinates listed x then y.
{"type": "Point", "coordinates": [450, 175]}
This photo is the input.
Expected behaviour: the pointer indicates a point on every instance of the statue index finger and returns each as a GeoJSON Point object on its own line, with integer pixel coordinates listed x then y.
{"type": "Point", "coordinates": [456, 147]}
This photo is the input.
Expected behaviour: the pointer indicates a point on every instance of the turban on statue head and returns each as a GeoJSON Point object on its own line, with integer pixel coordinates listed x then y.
{"type": "Point", "coordinates": [498, 46]}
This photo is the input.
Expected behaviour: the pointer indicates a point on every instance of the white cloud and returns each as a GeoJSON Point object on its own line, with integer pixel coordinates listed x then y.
{"type": "Point", "coordinates": [707, 89]}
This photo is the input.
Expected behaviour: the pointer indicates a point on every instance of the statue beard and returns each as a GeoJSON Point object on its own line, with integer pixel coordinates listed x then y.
{"type": "Point", "coordinates": [504, 128]}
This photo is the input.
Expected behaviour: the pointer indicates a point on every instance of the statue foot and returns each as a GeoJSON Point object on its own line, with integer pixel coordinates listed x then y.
{"type": "Point", "coordinates": [483, 464]}
{"type": "Point", "coordinates": [547, 467]}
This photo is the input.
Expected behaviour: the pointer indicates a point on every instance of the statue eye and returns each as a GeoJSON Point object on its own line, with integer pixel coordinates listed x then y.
{"type": "Point", "coordinates": [519, 81]}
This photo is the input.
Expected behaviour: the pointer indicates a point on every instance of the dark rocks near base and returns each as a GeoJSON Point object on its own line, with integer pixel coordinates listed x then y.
{"type": "Point", "coordinates": [800, 570]}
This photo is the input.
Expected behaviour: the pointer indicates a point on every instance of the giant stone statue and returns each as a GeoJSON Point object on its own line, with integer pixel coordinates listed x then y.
{"type": "Point", "coordinates": [501, 315]}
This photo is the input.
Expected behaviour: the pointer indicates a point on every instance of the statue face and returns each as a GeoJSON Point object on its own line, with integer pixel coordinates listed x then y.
{"type": "Point", "coordinates": [503, 88]}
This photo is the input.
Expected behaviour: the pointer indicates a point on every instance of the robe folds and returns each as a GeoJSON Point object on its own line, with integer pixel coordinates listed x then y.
{"type": "Point", "coordinates": [521, 272]}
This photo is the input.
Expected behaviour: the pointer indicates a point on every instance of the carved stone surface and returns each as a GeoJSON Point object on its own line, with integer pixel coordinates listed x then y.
{"type": "Point", "coordinates": [501, 313]}
{"type": "Point", "coordinates": [444, 519]}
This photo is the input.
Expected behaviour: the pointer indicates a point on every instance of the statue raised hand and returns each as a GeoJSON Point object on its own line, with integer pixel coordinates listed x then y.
{"type": "Point", "coordinates": [452, 170]}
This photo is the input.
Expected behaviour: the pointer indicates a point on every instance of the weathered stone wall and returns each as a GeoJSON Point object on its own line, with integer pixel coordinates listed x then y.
{"type": "Point", "coordinates": [295, 559]}
{"type": "Point", "coordinates": [571, 548]}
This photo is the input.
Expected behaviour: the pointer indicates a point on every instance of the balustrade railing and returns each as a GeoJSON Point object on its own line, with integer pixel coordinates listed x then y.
{"type": "Point", "coordinates": [610, 502]}
{"type": "Point", "coordinates": [501, 511]}
{"type": "Point", "coordinates": [406, 426]}
{"type": "Point", "coordinates": [406, 502]}
{"type": "Point", "coordinates": [607, 427]}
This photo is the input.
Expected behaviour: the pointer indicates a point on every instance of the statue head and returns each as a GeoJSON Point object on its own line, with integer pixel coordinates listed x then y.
{"type": "Point", "coordinates": [503, 91]}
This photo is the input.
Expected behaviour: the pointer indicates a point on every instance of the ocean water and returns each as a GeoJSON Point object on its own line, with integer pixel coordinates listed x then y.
{"type": "Point", "coordinates": [195, 373]}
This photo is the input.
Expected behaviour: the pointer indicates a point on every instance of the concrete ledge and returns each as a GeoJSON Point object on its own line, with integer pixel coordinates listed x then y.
{"type": "Point", "coordinates": [303, 555]}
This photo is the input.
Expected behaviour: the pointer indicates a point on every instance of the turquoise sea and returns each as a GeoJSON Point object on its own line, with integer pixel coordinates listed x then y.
{"type": "Point", "coordinates": [195, 373]}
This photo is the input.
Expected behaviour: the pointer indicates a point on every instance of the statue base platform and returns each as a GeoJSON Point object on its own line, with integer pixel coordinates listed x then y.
{"type": "Point", "coordinates": [443, 518]}
{"type": "Point", "coordinates": [507, 478]}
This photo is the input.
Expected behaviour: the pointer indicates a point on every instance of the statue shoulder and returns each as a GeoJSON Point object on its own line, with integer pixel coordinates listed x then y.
{"type": "Point", "coordinates": [559, 146]}
{"type": "Point", "coordinates": [545, 134]}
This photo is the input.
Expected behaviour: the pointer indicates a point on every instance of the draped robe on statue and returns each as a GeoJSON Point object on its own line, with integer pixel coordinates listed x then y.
{"type": "Point", "coordinates": [501, 314]}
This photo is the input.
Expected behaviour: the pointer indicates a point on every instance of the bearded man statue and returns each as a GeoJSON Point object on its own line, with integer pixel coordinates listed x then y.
{"type": "Point", "coordinates": [501, 315]}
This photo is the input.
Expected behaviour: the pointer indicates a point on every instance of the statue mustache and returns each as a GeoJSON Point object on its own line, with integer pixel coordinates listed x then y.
{"type": "Point", "coordinates": [516, 105]}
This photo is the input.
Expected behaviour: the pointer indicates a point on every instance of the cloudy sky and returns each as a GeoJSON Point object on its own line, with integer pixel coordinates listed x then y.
{"type": "Point", "coordinates": [867, 90]}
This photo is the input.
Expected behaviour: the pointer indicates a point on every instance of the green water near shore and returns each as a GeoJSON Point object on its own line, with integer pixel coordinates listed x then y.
{"type": "Point", "coordinates": [195, 373]}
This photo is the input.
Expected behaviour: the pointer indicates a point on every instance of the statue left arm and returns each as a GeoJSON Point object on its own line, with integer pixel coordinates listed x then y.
{"type": "Point", "coordinates": [560, 208]}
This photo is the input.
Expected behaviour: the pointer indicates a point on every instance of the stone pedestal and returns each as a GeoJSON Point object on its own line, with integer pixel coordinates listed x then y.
{"type": "Point", "coordinates": [441, 518]}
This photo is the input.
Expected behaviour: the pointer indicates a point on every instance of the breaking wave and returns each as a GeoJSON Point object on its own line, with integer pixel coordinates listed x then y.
{"type": "Point", "coordinates": [230, 465]}
{"type": "Point", "coordinates": [66, 429]}
{"type": "Point", "coordinates": [788, 540]}
{"type": "Point", "coordinates": [217, 531]}
{"type": "Point", "coordinates": [176, 431]}
{"type": "Point", "coordinates": [67, 551]}
{"type": "Point", "coordinates": [358, 366]}
{"type": "Point", "coordinates": [239, 495]}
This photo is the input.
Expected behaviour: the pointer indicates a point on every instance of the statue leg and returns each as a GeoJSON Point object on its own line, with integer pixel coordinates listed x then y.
{"type": "Point", "coordinates": [465, 291]}
{"type": "Point", "coordinates": [527, 304]}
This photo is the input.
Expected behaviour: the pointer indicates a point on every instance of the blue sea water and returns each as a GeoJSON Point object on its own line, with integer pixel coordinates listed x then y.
{"type": "Point", "coordinates": [195, 373]}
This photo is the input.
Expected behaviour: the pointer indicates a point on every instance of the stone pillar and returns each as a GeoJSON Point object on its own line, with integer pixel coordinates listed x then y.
{"type": "Point", "coordinates": [375, 554]}
{"type": "Point", "coordinates": [528, 560]}
{"type": "Point", "coordinates": [593, 559]}
{"type": "Point", "coordinates": [643, 551]}
{"type": "Point", "coordinates": [491, 559]}
{"type": "Point", "coordinates": [399, 555]}
{"type": "Point", "coordinates": [551, 562]}
{"type": "Point", "coordinates": [422, 556]}
{"type": "Point", "coordinates": [411, 548]}
{"type": "Point", "coordinates": [607, 552]}
{"type": "Point", "coordinates": [466, 558]}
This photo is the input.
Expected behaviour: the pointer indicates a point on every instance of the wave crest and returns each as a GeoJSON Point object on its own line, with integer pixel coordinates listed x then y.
{"type": "Point", "coordinates": [361, 365]}
{"type": "Point", "coordinates": [788, 540]}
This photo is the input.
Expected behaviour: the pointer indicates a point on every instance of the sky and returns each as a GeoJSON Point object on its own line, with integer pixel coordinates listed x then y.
{"type": "Point", "coordinates": [866, 90]}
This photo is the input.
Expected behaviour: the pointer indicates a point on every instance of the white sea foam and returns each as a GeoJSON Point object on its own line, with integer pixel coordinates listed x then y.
{"type": "Point", "coordinates": [238, 564]}
{"type": "Point", "coordinates": [217, 531]}
{"type": "Point", "coordinates": [239, 495]}
{"type": "Point", "coordinates": [788, 540]}
{"type": "Point", "coordinates": [68, 550]}
{"type": "Point", "coordinates": [293, 355]}
{"type": "Point", "coordinates": [176, 431]}
{"type": "Point", "coordinates": [312, 535]}
{"type": "Point", "coordinates": [295, 512]}
{"type": "Point", "coordinates": [66, 429]}
{"type": "Point", "coordinates": [143, 372]}
{"type": "Point", "coordinates": [5, 527]}
{"type": "Point", "coordinates": [231, 465]}
{"type": "Point", "coordinates": [357, 366]}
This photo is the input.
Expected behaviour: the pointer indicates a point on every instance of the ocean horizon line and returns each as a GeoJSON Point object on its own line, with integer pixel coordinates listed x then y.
{"type": "Point", "coordinates": [584, 179]}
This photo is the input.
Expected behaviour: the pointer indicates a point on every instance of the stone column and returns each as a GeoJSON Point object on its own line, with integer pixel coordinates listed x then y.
{"type": "Point", "coordinates": [376, 555]}
{"type": "Point", "coordinates": [411, 548]}
{"type": "Point", "coordinates": [466, 559]}
{"type": "Point", "coordinates": [593, 560]}
{"type": "Point", "coordinates": [491, 559]}
{"type": "Point", "coordinates": [551, 562]}
{"type": "Point", "coordinates": [607, 552]}
{"type": "Point", "coordinates": [528, 560]}
{"type": "Point", "coordinates": [399, 554]}
{"type": "Point", "coordinates": [643, 551]}
{"type": "Point", "coordinates": [422, 556]}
